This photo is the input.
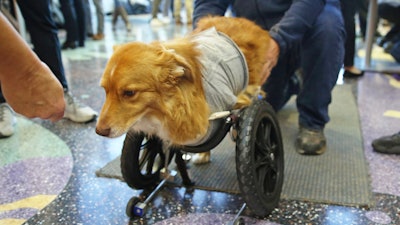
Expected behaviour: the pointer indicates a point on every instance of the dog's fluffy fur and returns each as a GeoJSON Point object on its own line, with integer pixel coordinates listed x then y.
{"type": "Point", "coordinates": [157, 87]}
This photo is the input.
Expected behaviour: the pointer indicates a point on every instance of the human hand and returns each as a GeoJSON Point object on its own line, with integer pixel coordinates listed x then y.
{"type": "Point", "coordinates": [37, 94]}
{"type": "Point", "coordinates": [271, 59]}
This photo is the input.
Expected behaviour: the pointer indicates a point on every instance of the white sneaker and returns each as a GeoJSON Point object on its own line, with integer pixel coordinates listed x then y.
{"type": "Point", "coordinates": [7, 121]}
{"type": "Point", "coordinates": [77, 112]}
{"type": "Point", "coordinates": [128, 27]}
{"type": "Point", "coordinates": [156, 22]}
{"type": "Point", "coordinates": [166, 20]}
{"type": "Point", "coordinates": [201, 158]}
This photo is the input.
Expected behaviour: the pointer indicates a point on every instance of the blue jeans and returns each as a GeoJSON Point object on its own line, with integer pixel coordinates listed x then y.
{"type": "Point", "coordinates": [320, 57]}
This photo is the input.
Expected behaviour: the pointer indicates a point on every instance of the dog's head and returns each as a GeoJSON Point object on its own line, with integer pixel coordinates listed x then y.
{"type": "Point", "coordinates": [142, 83]}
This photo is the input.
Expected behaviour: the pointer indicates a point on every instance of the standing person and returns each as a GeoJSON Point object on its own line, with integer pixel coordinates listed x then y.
{"type": "Point", "coordinates": [46, 45]}
{"type": "Point", "coordinates": [178, 9]}
{"type": "Point", "coordinates": [307, 35]}
{"type": "Point", "coordinates": [119, 10]}
{"type": "Point", "coordinates": [155, 21]}
{"type": "Point", "coordinates": [88, 19]}
{"type": "Point", "coordinates": [362, 11]}
{"type": "Point", "coordinates": [28, 84]}
{"type": "Point", "coordinates": [349, 9]}
{"type": "Point", "coordinates": [75, 25]}
{"type": "Point", "coordinates": [167, 6]}
{"type": "Point", "coordinates": [98, 4]}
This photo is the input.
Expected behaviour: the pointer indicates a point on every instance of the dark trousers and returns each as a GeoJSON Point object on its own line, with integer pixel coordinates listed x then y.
{"type": "Point", "coordinates": [75, 20]}
{"type": "Point", "coordinates": [320, 56]}
{"type": "Point", "coordinates": [391, 12]}
{"type": "Point", "coordinates": [43, 34]}
{"type": "Point", "coordinates": [349, 12]}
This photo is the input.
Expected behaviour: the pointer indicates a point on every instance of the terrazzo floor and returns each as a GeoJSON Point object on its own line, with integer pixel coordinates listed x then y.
{"type": "Point", "coordinates": [47, 170]}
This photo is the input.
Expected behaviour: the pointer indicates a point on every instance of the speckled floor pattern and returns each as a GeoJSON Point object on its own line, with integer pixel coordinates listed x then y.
{"type": "Point", "coordinates": [48, 175]}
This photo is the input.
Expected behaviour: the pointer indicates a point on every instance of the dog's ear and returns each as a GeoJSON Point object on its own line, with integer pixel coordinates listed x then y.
{"type": "Point", "coordinates": [183, 68]}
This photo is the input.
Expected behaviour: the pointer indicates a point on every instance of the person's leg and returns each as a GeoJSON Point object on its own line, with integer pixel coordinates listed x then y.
{"type": "Point", "coordinates": [89, 25]}
{"type": "Point", "coordinates": [115, 13]}
{"type": "Point", "coordinates": [166, 8]}
{"type": "Point", "coordinates": [125, 18]}
{"type": "Point", "coordinates": [71, 25]}
{"type": "Point", "coordinates": [177, 11]}
{"type": "Point", "coordinates": [99, 15]}
{"type": "Point", "coordinates": [278, 87]}
{"type": "Point", "coordinates": [154, 21]}
{"type": "Point", "coordinates": [322, 56]}
{"type": "Point", "coordinates": [362, 11]}
{"type": "Point", "coordinates": [189, 11]}
{"type": "Point", "coordinates": [155, 8]}
{"type": "Point", "coordinates": [81, 21]}
{"type": "Point", "coordinates": [44, 35]}
{"type": "Point", "coordinates": [349, 11]}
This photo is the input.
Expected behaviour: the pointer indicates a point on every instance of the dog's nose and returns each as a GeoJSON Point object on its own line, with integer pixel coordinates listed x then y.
{"type": "Point", "coordinates": [103, 132]}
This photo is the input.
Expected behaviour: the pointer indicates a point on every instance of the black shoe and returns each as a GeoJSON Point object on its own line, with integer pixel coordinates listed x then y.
{"type": "Point", "coordinates": [381, 41]}
{"type": "Point", "coordinates": [67, 45]}
{"type": "Point", "coordinates": [310, 142]}
{"type": "Point", "coordinates": [349, 74]}
{"type": "Point", "coordinates": [388, 46]}
{"type": "Point", "coordinates": [387, 144]}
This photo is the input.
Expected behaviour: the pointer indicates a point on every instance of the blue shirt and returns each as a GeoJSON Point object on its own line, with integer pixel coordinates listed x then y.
{"type": "Point", "coordinates": [286, 20]}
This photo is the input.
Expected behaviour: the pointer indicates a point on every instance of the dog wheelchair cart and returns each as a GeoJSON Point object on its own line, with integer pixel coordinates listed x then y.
{"type": "Point", "coordinates": [259, 159]}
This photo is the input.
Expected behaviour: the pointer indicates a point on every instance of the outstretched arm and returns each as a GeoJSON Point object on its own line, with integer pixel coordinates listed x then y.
{"type": "Point", "coordinates": [27, 84]}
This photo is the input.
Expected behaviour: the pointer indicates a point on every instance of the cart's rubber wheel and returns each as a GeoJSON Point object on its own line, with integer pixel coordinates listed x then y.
{"type": "Point", "coordinates": [130, 207]}
{"type": "Point", "coordinates": [239, 221]}
{"type": "Point", "coordinates": [142, 159]}
{"type": "Point", "coordinates": [259, 158]}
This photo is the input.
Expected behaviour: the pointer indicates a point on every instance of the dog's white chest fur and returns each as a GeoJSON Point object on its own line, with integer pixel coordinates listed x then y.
{"type": "Point", "coordinates": [153, 126]}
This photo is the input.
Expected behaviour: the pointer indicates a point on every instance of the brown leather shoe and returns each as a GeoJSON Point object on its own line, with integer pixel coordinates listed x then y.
{"type": "Point", "coordinates": [98, 37]}
{"type": "Point", "coordinates": [310, 142]}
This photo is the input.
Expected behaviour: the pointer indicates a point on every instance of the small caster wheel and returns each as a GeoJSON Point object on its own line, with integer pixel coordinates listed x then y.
{"type": "Point", "coordinates": [239, 221]}
{"type": "Point", "coordinates": [130, 207]}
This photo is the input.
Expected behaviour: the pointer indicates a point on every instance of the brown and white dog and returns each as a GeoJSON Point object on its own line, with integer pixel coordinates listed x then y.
{"type": "Point", "coordinates": [159, 88]}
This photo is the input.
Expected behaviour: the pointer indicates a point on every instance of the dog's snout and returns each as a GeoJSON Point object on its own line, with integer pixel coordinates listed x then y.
{"type": "Point", "coordinates": [103, 132]}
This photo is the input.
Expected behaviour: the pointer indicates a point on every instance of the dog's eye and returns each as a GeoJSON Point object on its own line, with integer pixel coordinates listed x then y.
{"type": "Point", "coordinates": [128, 93]}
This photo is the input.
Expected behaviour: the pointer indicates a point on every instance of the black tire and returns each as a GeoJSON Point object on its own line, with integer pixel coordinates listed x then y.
{"type": "Point", "coordinates": [142, 159]}
{"type": "Point", "coordinates": [260, 158]}
{"type": "Point", "coordinates": [130, 207]}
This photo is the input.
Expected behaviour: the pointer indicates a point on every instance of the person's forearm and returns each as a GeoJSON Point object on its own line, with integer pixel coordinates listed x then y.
{"type": "Point", "coordinates": [297, 20]}
{"type": "Point", "coordinates": [17, 59]}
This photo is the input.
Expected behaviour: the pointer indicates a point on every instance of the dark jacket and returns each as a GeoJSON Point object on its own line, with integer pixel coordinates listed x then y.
{"type": "Point", "coordinates": [286, 20]}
